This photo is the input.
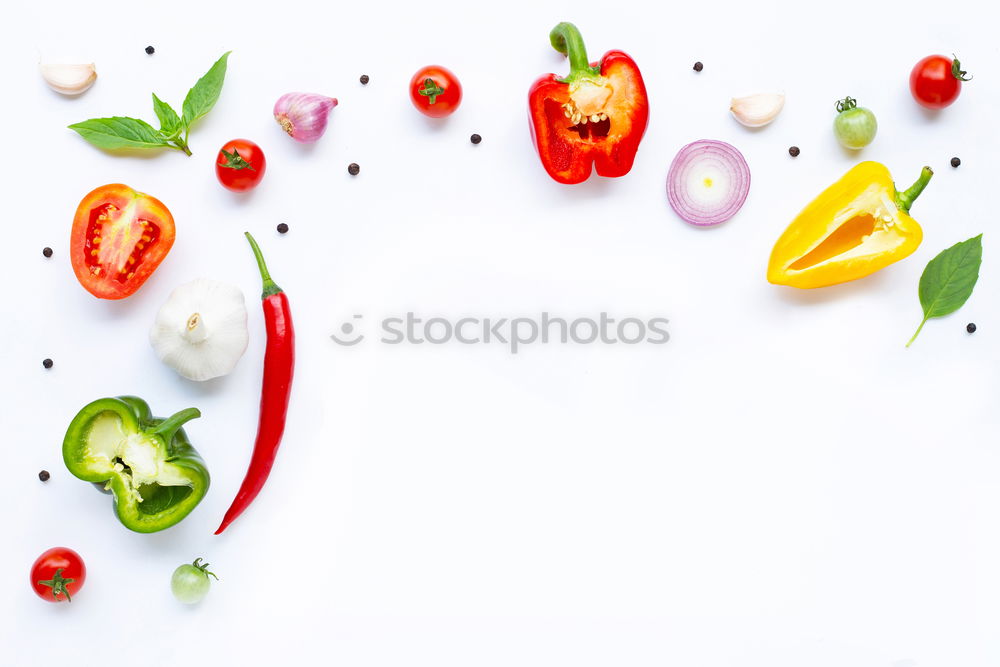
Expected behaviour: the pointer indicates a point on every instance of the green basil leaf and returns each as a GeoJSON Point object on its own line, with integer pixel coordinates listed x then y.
{"type": "Point", "coordinates": [119, 132]}
{"type": "Point", "coordinates": [948, 280]}
{"type": "Point", "coordinates": [203, 96]}
{"type": "Point", "coordinates": [170, 122]}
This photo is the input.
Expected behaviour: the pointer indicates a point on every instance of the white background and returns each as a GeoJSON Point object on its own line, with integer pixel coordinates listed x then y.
{"type": "Point", "coordinates": [782, 484]}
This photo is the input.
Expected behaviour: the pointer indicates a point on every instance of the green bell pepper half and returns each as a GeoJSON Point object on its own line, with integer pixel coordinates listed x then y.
{"type": "Point", "coordinates": [147, 463]}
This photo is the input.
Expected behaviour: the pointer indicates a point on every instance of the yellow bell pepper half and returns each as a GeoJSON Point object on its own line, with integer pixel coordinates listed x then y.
{"type": "Point", "coordinates": [858, 225]}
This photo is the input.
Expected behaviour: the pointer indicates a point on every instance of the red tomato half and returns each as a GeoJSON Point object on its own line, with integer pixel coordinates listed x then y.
{"type": "Point", "coordinates": [240, 165]}
{"type": "Point", "coordinates": [58, 574]}
{"type": "Point", "coordinates": [936, 81]}
{"type": "Point", "coordinates": [435, 91]}
{"type": "Point", "coordinates": [119, 237]}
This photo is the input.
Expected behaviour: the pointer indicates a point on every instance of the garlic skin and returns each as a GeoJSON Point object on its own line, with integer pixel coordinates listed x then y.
{"type": "Point", "coordinates": [757, 110]}
{"type": "Point", "coordinates": [303, 115]}
{"type": "Point", "coordinates": [201, 331]}
{"type": "Point", "coordinates": [69, 79]}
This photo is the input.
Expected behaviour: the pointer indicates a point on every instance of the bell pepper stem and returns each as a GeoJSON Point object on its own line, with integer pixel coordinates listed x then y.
{"type": "Point", "coordinates": [169, 426]}
{"type": "Point", "coordinates": [270, 288]}
{"type": "Point", "coordinates": [567, 40]}
{"type": "Point", "coordinates": [905, 199]}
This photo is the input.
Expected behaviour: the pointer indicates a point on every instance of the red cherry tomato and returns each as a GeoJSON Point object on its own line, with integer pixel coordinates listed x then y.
{"type": "Point", "coordinates": [936, 81]}
{"type": "Point", "coordinates": [435, 91]}
{"type": "Point", "coordinates": [119, 237]}
{"type": "Point", "coordinates": [240, 165]}
{"type": "Point", "coordinates": [58, 574]}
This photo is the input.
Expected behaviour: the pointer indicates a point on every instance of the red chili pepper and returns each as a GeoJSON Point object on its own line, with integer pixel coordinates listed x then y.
{"type": "Point", "coordinates": [279, 364]}
{"type": "Point", "coordinates": [595, 117]}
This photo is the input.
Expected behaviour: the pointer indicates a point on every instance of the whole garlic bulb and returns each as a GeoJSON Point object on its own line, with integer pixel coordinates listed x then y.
{"type": "Point", "coordinates": [757, 110]}
{"type": "Point", "coordinates": [201, 331]}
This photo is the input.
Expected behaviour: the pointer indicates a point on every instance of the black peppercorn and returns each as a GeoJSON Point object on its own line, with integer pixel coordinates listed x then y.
{"type": "Point", "coordinates": [282, 228]}
{"type": "Point", "coordinates": [47, 252]}
{"type": "Point", "coordinates": [364, 79]}
{"type": "Point", "coordinates": [475, 138]}
{"type": "Point", "coordinates": [150, 50]}
{"type": "Point", "coordinates": [794, 151]}
{"type": "Point", "coordinates": [955, 162]}
{"type": "Point", "coordinates": [44, 475]}
{"type": "Point", "coordinates": [970, 327]}
{"type": "Point", "coordinates": [47, 363]}
{"type": "Point", "coordinates": [698, 66]}
{"type": "Point", "coordinates": [353, 169]}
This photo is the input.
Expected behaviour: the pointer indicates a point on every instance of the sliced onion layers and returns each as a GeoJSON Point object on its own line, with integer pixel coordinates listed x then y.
{"type": "Point", "coordinates": [708, 182]}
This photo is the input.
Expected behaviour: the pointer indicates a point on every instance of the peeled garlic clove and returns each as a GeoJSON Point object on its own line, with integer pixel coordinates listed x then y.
{"type": "Point", "coordinates": [757, 110]}
{"type": "Point", "coordinates": [201, 331]}
{"type": "Point", "coordinates": [69, 79]}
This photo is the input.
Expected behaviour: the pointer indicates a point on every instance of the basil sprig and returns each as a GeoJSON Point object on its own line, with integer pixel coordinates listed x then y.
{"type": "Point", "coordinates": [948, 280]}
{"type": "Point", "coordinates": [123, 132]}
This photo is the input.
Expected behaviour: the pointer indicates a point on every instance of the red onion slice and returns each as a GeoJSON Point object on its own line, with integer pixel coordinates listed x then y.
{"type": "Point", "coordinates": [708, 182]}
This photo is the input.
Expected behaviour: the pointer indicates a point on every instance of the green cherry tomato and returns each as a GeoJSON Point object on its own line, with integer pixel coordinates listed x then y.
{"type": "Point", "coordinates": [190, 583]}
{"type": "Point", "coordinates": [854, 126]}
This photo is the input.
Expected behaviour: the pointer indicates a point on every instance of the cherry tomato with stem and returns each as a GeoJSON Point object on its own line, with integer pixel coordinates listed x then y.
{"type": "Point", "coordinates": [58, 574]}
{"type": "Point", "coordinates": [855, 127]}
{"type": "Point", "coordinates": [936, 81]}
{"type": "Point", "coordinates": [435, 91]}
{"type": "Point", "coordinates": [240, 165]}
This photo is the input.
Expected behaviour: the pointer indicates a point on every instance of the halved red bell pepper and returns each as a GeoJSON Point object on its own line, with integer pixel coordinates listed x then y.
{"type": "Point", "coordinates": [595, 117]}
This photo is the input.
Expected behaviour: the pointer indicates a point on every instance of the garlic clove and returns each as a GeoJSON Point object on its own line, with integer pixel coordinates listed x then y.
{"type": "Point", "coordinates": [69, 79]}
{"type": "Point", "coordinates": [201, 331]}
{"type": "Point", "coordinates": [757, 110]}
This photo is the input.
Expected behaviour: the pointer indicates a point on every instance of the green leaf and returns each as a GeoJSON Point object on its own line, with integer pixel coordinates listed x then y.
{"type": "Point", "coordinates": [948, 280]}
{"type": "Point", "coordinates": [203, 96]}
{"type": "Point", "coordinates": [119, 132]}
{"type": "Point", "coordinates": [170, 122]}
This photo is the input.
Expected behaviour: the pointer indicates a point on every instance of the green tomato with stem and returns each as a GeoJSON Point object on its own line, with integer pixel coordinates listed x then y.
{"type": "Point", "coordinates": [190, 582]}
{"type": "Point", "coordinates": [854, 126]}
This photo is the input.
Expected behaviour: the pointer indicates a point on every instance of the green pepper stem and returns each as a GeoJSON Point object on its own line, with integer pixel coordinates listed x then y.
{"type": "Point", "coordinates": [270, 288]}
{"type": "Point", "coordinates": [904, 200]}
{"type": "Point", "coordinates": [566, 39]}
{"type": "Point", "coordinates": [169, 426]}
